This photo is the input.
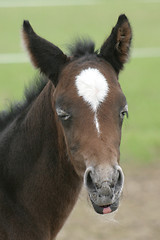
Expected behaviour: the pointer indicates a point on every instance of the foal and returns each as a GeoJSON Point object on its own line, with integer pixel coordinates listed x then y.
{"type": "Point", "coordinates": [66, 132]}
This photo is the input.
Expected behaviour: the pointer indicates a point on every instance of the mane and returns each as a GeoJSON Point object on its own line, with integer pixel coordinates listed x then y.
{"type": "Point", "coordinates": [81, 47]}
{"type": "Point", "coordinates": [14, 109]}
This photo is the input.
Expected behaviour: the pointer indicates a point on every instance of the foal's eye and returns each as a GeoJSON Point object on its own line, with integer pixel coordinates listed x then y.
{"type": "Point", "coordinates": [124, 112]}
{"type": "Point", "coordinates": [63, 115]}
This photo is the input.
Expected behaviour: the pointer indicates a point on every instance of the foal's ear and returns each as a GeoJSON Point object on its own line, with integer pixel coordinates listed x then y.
{"type": "Point", "coordinates": [44, 55]}
{"type": "Point", "coordinates": [116, 48]}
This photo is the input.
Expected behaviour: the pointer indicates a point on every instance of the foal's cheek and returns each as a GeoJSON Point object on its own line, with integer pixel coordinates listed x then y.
{"type": "Point", "coordinates": [78, 163]}
{"type": "Point", "coordinates": [74, 152]}
{"type": "Point", "coordinates": [80, 168]}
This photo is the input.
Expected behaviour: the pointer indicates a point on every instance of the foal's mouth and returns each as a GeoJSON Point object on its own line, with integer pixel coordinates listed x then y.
{"type": "Point", "coordinates": [105, 209]}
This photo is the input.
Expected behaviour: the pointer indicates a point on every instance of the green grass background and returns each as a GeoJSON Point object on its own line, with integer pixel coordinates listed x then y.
{"type": "Point", "coordinates": [140, 79]}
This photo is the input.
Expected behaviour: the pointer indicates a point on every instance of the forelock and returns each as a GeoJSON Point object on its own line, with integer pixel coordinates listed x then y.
{"type": "Point", "coordinates": [81, 47]}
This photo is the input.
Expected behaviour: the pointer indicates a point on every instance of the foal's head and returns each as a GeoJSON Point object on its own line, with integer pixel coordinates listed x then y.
{"type": "Point", "coordinates": [90, 107]}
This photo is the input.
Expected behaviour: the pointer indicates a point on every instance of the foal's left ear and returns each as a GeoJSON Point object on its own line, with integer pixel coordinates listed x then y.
{"type": "Point", "coordinates": [116, 48]}
{"type": "Point", "coordinates": [44, 55]}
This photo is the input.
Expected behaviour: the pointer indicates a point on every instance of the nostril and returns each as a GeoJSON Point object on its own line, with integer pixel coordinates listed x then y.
{"type": "Point", "coordinates": [89, 181]}
{"type": "Point", "coordinates": [120, 178]}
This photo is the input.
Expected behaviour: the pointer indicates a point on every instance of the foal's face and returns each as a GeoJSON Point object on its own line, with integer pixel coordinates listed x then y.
{"type": "Point", "coordinates": [90, 106]}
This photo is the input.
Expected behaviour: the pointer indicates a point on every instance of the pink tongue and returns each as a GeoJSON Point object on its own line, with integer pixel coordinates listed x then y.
{"type": "Point", "coordinates": [107, 210]}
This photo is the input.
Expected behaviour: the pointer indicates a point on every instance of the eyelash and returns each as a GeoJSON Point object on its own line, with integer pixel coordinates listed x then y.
{"type": "Point", "coordinates": [123, 114]}
{"type": "Point", "coordinates": [62, 114]}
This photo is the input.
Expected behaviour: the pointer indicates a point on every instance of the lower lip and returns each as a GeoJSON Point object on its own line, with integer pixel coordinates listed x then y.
{"type": "Point", "coordinates": [105, 210]}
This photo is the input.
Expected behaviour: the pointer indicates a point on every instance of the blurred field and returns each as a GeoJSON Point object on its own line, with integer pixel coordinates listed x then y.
{"type": "Point", "coordinates": [140, 82]}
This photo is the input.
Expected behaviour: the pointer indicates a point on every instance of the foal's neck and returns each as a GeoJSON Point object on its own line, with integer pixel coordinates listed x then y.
{"type": "Point", "coordinates": [52, 188]}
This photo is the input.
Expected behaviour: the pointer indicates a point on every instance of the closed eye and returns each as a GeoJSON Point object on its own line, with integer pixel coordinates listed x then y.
{"type": "Point", "coordinates": [63, 115]}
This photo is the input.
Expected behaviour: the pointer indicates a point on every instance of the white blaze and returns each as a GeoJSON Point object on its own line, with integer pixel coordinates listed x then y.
{"type": "Point", "coordinates": [96, 122]}
{"type": "Point", "coordinates": [93, 87]}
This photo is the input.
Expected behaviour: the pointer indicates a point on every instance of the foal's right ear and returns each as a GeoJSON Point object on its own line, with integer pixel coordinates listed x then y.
{"type": "Point", "coordinates": [44, 55]}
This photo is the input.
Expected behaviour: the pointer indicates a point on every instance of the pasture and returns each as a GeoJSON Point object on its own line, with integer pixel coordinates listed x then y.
{"type": "Point", "coordinates": [63, 21]}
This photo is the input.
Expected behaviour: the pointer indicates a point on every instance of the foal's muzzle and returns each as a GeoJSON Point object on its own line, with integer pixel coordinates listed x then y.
{"type": "Point", "coordinates": [104, 188]}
